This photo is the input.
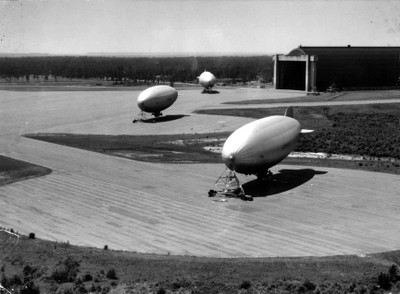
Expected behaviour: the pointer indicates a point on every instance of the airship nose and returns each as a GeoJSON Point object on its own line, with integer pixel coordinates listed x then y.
{"type": "Point", "coordinates": [230, 162]}
{"type": "Point", "coordinates": [141, 104]}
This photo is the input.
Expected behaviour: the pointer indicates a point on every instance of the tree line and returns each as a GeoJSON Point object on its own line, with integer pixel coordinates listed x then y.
{"type": "Point", "coordinates": [183, 69]}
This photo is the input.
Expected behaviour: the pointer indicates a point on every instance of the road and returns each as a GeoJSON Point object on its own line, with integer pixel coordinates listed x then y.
{"type": "Point", "coordinates": [94, 200]}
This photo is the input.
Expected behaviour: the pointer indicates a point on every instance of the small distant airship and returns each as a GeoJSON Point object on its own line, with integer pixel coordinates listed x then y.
{"type": "Point", "coordinates": [256, 147]}
{"type": "Point", "coordinates": [207, 80]}
{"type": "Point", "coordinates": [157, 98]}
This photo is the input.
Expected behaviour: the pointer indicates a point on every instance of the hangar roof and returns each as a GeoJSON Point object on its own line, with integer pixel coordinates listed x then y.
{"type": "Point", "coordinates": [347, 50]}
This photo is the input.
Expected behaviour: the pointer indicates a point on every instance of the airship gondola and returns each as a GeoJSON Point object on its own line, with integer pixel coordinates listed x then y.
{"type": "Point", "coordinates": [256, 147]}
{"type": "Point", "coordinates": [155, 99]}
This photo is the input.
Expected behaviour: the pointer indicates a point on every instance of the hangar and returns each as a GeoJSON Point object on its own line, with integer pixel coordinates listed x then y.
{"type": "Point", "coordinates": [317, 68]}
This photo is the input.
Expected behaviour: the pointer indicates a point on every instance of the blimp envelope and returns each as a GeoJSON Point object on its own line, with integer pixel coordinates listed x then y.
{"type": "Point", "coordinates": [207, 79]}
{"type": "Point", "coordinates": [259, 145]}
{"type": "Point", "coordinates": [157, 98]}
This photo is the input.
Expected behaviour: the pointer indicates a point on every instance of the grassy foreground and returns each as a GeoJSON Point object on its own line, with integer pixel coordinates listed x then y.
{"type": "Point", "coordinates": [37, 266]}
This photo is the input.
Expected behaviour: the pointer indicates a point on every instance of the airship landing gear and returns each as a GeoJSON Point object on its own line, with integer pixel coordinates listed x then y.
{"type": "Point", "coordinates": [228, 185]}
{"type": "Point", "coordinates": [145, 117]}
{"type": "Point", "coordinates": [209, 91]}
{"type": "Point", "coordinates": [142, 116]}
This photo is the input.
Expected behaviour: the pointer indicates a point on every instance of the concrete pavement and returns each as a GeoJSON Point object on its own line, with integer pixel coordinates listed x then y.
{"type": "Point", "coordinates": [93, 199]}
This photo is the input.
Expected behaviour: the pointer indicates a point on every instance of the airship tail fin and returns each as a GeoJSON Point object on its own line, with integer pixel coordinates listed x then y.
{"type": "Point", "coordinates": [289, 112]}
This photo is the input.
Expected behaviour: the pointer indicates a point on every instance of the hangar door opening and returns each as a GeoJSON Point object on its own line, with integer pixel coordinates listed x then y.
{"type": "Point", "coordinates": [293, 75]}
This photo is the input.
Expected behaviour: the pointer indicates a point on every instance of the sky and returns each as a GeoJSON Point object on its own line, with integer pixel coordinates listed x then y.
{"type": "Point", "coordinates": [79, 27]}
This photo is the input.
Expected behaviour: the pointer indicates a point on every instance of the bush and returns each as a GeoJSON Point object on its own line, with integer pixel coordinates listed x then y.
{"type": "Point", "coordinates": [67, 271]}
{"type": "Point", "coordinates": [27, 270]}
{"type": "Point", "coordinates": [111, 274]}
{"type": "Point", "coordinates": [31, 235]}
{"type": "Point", "coordinates": [176, 285]}
{"type": "Point", "coordinates": [309, 286]}
{"type": "Point", "coordinates": [61, 275]}
{"type": "Point", "coordinates": [15, 280]}
{"type": "Point", "coordinates": [384, 281]}
{"type": "Point", "coordinates": [114, 283]}
{"type": "Point", "coordinates": [87, 277]}
{"type": "Point", "coordinates": [245, 285]}
{"type": "Point", "coordinates": [79, 287]}
{"type": "Point", "coordinates": [30, 288]}
{"type": "Point", "coordinates": [394, 273]}
{"type": "Point", "coordinates": [161, 291]}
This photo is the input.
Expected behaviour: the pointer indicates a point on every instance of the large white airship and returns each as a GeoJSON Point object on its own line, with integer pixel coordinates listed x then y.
{"type": "Point", "coordinates": [157, 98]}
{"type": "Point", "coordinates": [257, 146]}
{"type": "Point", "coordinates": [207, 80]}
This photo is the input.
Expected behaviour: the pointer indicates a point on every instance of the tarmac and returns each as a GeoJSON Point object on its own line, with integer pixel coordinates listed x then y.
{"type": "Point", "coordinates": [92, 199]}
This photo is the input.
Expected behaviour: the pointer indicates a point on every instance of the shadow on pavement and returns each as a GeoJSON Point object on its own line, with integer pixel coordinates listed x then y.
{"type": "Point", "coordinates": [209, 92]}
{"type": "Point", "coordinates": [285, 180]}
{"type": "Point", "coordinates": [163, 118]}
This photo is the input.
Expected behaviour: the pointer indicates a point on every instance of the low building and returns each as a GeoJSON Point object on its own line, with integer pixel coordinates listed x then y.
{"type": "Point", "coordinates": [317, 68]}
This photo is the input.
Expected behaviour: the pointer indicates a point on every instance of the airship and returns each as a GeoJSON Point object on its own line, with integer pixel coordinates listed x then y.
{"type": "Point", "coordinates": [259, 145]}
{"type": "Point", "coordinates": [207, 80]}
{"type": "Point", "coordinates": [256, 147]}
{"type": "Point", "coordinates": [157, 98]}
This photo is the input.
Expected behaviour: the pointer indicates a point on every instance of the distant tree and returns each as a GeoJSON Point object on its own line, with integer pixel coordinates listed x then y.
{"type": "Point", "coordinates": [145, 68]}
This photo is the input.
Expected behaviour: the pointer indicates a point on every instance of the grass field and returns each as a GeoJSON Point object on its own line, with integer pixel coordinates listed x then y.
{"type": "Point", "coordinates": [371, 131]}
{"type": "Point", "coordinates": [63, 268]}
{"type": "Point", "coordinates": [12, 170]}
{"type": "Point", "coordinates": [337, 96]}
